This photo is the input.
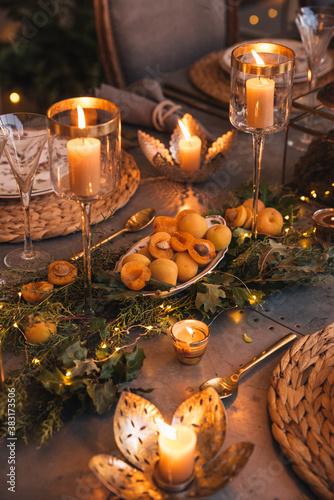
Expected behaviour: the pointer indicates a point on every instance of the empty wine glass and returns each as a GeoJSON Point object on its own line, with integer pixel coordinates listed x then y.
{"type": "Point", "coordinates": [84, 146]}
{"type": "Point", "coordinates": [27, 137]}
{"type": "Point", "coordinates": [316, 28]}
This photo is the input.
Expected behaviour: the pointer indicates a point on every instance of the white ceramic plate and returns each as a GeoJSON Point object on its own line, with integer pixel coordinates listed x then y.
{"type": "Point", "coordinates": [295, 45]}
{"type": "Point", "coordinates": [212, 221]}
{"type": "Point", "coordinates": [42, 181]}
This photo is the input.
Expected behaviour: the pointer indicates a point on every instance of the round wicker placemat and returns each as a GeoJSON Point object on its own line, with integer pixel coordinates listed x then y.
{"type": "Point", "coordinates": [209, 77]}
{"type": "Point", "coordinates": [301, 406]}
{"type": "Point", "coordinates": [53, 216]}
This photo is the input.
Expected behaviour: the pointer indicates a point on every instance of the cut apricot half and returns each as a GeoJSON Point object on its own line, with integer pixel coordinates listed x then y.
{"type": "Point", "coordinates": [202, 251]}
{"type": "Point", "coordinates": [236, 217]}
{"type": "Point", "coordinates": [180, 241]}
{"type": "Point", "coordinates": [164, 224]}
{"type": "Point", "coordinates": [135, 275]}
{"type": "Point", "coordinates": [36, 292]}
{"type": "Point", "coordinates": [160, 247]}
{"type": "Point", "coordinates": [61, 272]}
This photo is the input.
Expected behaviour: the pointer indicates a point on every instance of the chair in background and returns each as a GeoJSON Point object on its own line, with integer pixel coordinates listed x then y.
{"type": "Point", "coordinates": [149, 38]}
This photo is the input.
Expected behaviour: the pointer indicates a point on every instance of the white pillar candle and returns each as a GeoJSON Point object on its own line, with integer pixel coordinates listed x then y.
{"type": "Point", "coordinates": [84, 158]}
{"type": "Point", "coordinates": [190, 147]}
{"type": "Point", "coordinates": [177, 453]}
{"type": "Point", "coordinates": [260, 102]}
{"type": "Point", "coordinates": [84, 165]}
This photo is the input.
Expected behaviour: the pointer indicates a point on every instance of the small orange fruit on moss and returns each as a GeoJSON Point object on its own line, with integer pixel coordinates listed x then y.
{"type": "Point", "coordinates": [36, 292]}
{"type": "Point", "coordinates": [249, 204]}
{"type": "Point", "coordinates": [38, 331]}
{"type": "Point", "coordinates": [61, 272]}
{"type": "Point", "coordinates": [135, 275]}
{"type": "Point", "coordinates": [270, 221]}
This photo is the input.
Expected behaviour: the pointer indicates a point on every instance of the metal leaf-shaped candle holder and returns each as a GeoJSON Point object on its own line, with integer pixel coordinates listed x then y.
{"type": "Point", "coordinates": [167, 161]}
{"type": "Point", "coordinates": [136, 435]}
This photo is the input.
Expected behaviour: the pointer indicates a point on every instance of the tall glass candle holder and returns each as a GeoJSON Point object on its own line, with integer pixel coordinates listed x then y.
{"type": "Point", "coordinates": [84, 150]}
{"type": "Point", "coordinates": [260, 98]}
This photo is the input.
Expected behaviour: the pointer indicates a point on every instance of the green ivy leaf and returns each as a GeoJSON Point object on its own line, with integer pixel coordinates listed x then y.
{"type": "Point", "coordinates": [210, 297]}
{"type": "Point", "coordinates": [84, 367]}
{"type": "Point", "coordinates": [56, 383]}
{"type": "Point", "coordinates": [134, 362]}
{"type": "Point", "coordinates": [72, 352]}
{"type": "Point", "coordinates": [99, 324]}
{"type": "Point", "coordinates": [102, 395]}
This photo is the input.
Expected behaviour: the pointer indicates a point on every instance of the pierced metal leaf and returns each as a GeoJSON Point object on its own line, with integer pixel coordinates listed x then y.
{"type": "Point", "coordinates": [205, 413]}
{"type": "Point", "coordinates": [135, 430]}
{"type": "Point", "coordinates": [223, 469]}
{"type": "Point", "coordinates": [152, 147]}
{"type": "Point", "coordinates": [221, 149]}
{"type": "Point", "coordinates": [124, 480]}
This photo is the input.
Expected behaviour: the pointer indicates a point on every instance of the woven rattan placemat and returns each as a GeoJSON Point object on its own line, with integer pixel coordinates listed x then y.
{"type": "Point", "coordinates": [53, 216]}
{"type": "Point", "coordinates": [209, 77]}
{"type": "Point", "coordinates": [301, 407]}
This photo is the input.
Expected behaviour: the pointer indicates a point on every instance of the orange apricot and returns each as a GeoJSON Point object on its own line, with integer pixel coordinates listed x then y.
{"type": "Point", "coordinates": [61, 272]}
{"type": "Point", "coordinates": [135, 275]}
{"type": "Point", "coordinates": [185, 212]}
{"type": "Point", "coordinates": [180, 241]}
{"type": "Point", "coordinates": [202, 251]}
{"type": "Point", "coordinates": [36, 292]}
{"type": "Point", "coordinates": [159, 245]}
{"type": "Point", "coordinates": [248, 222]}
{"type": "Point", "coordinates": [236, 217]}
{"type": "Point", "coordinates": [164, 224]}
{"type": "Point", "coordinates": [249, 204]}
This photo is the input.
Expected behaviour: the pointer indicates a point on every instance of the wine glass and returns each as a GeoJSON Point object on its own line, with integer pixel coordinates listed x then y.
{"type": "Point", "coordinates": [260, 98]}
{"type": "Point", "coordinates": [84, 151]}
{"type": "Point", "coordinates": [316, 28]}
{"type": "Point", "coordinates": [27, 137]}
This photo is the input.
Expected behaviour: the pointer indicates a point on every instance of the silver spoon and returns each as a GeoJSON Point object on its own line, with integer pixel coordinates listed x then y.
{"type": "Point", "coordinates": [137, 222]}
{"type": "Point", "coordinates": [226, 386]}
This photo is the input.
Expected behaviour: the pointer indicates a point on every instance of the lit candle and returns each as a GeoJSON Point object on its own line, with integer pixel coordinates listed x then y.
{"type": "Point", "coordinates": [323, 221]}
{"type": "Point", "coordinates": [260, 99]}
{"type": "Point", "coordinates": [189, 150]}
{"type": "Point", "coordinates": [176, 452]}
{"type": "Point", "coordinates": [190, 338]}
{"type": "Point", "coordinates": [84, 156]}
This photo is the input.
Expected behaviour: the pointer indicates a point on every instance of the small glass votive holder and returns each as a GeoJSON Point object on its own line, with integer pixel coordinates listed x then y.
{"type": "Point", "coordinates": [190, 338]}
{"type": "Point", "coordinates": [323, 221]}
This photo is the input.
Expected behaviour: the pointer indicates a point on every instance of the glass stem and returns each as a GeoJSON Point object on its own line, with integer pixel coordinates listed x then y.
{"type": "Point", "coordinates": [258, 142]}
{"type": "Point", "coordinates": [28, 248]}
{"type": "Point", "coordinates": [86, 238]}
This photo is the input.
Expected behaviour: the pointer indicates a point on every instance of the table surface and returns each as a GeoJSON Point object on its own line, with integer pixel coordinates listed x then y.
{"type": "Point", "coordinates": [59, 470]}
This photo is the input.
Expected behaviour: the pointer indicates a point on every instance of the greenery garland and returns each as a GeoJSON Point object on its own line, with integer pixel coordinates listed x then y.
{"type": "Point", "coordinates": [84, 365]}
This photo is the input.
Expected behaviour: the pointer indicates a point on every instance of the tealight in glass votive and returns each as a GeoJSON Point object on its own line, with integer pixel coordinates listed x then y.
{"type": "Point", "coordinates": [190, 338]}
{"type": "Point", "coordinates": [323, 221]}
{"type": "Point", "coordinates": [84, 151]}
{"type": "Point", "coordinates": [260, 97]}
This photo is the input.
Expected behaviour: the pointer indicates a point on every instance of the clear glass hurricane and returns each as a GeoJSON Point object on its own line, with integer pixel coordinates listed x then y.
{"type": "Point", "coordinates": [27, 137]}
{"type": "Point", "coordinates": [260, 98]}
{"type": "Point", "coordinates": [84, 161]}
{"type": "Point", "coordinates": [316, 28]}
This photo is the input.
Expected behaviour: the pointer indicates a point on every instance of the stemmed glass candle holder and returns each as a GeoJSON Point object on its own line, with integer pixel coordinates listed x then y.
{"type": "Point", "coordinates": [84, 150]}
{"type": "Point", "coordinates": [260, 98]}
{"type": "Point", "coordinates": [316, 28]}
{"type": "Point", "coordinates": [28, 134]}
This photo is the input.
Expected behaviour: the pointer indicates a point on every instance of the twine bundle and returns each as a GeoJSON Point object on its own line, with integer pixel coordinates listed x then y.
{"type": "Point", "coordinates": [52, 216]}
{"type": "Point", "coordinates": [301, 406]}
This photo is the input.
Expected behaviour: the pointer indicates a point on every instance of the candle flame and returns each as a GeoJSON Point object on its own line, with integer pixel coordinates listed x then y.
{"type": "Point", "coordinates": [166, 430]}
{"type": "Point", "coordinates": [81, 117]}
{"type": "Point", "coordinates": [184, 130]}
{"type": "Point", "coordinates": [309, 75]}
{"type": "Point", "coordinates": [257, 58]}
{"type": "Point", "coordinates": [190, 331]}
